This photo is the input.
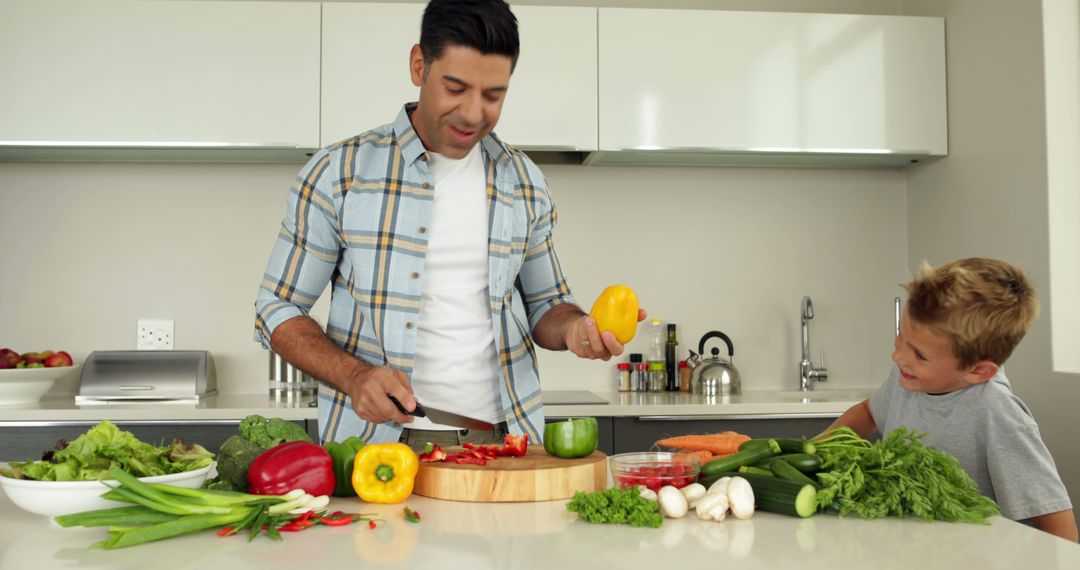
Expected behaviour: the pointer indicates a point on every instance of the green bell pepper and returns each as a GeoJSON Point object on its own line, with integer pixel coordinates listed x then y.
{"type": "Point", "coordinates": [571, 438]}
{"type": "Point", "coordinates": [343, 453]}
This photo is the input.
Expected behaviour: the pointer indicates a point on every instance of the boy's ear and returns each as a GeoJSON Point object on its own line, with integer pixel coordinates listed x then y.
{"type": "Point", "coordinates": [980, 372]}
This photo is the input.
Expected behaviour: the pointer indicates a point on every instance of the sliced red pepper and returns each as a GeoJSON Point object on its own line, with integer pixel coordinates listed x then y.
{"type": "Point", "coordinates": [516, 445]}
{"type": "Point", "coordinates": [435, 455]}
{"type": "Point", "coordinates": [466, 458]}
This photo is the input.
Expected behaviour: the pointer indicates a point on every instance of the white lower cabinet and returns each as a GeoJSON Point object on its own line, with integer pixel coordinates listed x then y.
{"type": "Point", "coordinates": [161, 74]}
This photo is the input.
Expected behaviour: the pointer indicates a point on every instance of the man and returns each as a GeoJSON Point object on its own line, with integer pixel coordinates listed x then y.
{"type": "Point", "coordinates": [436, 238]}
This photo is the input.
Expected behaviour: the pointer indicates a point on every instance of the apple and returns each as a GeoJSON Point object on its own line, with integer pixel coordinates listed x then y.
{"type": "Point", "coordinates": [58, 359]}
{"type": "Point", "coordinates": [8, 358]}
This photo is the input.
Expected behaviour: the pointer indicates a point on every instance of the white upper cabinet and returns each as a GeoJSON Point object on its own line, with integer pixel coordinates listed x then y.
{"type": "Point", "coordinates": [159, 74]}
{"type": "Point", "coordinates": [551, 104]}
{"type": "Point", "coordinates": [698, 86]}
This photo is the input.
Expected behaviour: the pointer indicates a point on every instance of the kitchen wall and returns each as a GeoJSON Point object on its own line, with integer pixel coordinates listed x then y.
{"type": "Point", "coordinates": [94, 247]}
{"type": "Point", "coordinates": [989, 197]}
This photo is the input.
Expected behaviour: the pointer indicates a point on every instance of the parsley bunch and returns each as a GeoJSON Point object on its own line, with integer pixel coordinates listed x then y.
{"type": "Point", "coordinates": [896, 476]}
{"type": "Point", "coordinates": [616, 506]}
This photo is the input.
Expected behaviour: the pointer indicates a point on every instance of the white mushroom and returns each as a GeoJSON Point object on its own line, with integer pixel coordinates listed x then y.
{"type": "Point", "coordinates": [646, 493]}
{"type": "Point", "coordinates": [672, 503]}
{"type": "Point", "coordinates": [719, 486]}
{"type": "Point", "coordinates": [741, 498]}
{"type": "Point", "coordinates": [712, 507]}
{"type": "Point", "coordinates": [693, 492]}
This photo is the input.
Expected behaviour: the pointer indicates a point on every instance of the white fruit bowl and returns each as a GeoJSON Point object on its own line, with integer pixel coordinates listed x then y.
{"type": "Point", "coordinates": [28, 385]}
{"type": "Point", "coordinates": [55, 498]}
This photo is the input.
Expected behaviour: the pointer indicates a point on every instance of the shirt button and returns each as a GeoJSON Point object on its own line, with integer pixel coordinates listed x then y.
{"type": "Point", "coordinates": [426, 186]}
{"type": "Point", "coordinates": [409, 325]}
{"type": "Point", "coordinates": [422, 229]}
{"type": "Point", "coordinates": [415, 275]}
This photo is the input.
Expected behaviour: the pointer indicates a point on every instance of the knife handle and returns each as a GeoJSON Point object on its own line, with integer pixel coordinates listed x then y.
{"type": "Point", "coordinates": [418, 412]}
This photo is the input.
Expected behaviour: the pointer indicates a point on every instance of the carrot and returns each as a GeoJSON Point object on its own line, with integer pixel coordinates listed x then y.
{"type": "Point", "coordinates": [723, 443]}
{"type": "Point", "coordinates": [704, 454]}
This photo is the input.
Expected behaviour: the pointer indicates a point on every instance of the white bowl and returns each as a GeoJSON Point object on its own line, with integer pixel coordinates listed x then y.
{"type": "Point", "coordinates": [55, 498]}
{"type": "Point", "coordinates": [28, 385]}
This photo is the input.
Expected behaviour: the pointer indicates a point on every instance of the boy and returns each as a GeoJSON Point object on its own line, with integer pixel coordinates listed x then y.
{"type": "Point", "coordinates": [961, 322]}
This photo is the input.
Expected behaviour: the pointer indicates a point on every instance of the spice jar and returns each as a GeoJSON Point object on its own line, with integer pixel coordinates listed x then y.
{"type": "Point", "coordinates": [657, 377]}
{"type": "Point", "coordinates": [623, 376]}
{"type": "Point", "coordinates": [686, 375]}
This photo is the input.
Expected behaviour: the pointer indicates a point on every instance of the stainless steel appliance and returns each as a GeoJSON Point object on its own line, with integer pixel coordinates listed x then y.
{"type": "Point", "coordinates": [142, 376]}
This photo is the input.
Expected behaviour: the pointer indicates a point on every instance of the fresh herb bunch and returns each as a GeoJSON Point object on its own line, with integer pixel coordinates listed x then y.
{"type": "Point", "coordinates": [896, 476]}
{"type": "Point", "coordinates": [616, 506]}
{"type": "Point", "coordinates": [104, 447]}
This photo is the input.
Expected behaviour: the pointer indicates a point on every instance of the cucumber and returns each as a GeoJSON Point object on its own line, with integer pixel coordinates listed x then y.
{"type": "Point", "coordinates": [781, 496]}
{"type": "Point", "coordinates": [757, 470]}
{"type": "Point", "coordinates": [744, 457]}
{"type": "Point", "coordinates": [805, 462]}
{"type": "Point", "coordinates": [787, 444]}
{"type": "Point", "coordinates": [785, 470]}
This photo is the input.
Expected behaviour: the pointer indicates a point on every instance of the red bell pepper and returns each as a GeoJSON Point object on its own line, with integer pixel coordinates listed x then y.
{"type": "Point", "coordinates": [292, 465]}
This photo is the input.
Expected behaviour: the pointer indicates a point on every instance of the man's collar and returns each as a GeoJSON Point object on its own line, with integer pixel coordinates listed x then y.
{"type": "Point", "coordinates": [412, 148]}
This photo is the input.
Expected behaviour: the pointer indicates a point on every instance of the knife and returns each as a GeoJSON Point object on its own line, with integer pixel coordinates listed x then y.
{"type": "Point", "coordinates": [442, 417]}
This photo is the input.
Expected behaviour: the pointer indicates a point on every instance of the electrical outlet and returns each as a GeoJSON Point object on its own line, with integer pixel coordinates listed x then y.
{"type": "Point", "coordinates": [155, 334]}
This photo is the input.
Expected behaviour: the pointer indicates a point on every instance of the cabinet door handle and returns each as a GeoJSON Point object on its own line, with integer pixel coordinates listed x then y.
{"type": "Point", "coordinates": [778, 416]}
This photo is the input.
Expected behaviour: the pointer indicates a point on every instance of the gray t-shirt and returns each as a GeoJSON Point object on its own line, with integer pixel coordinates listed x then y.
{"type": "Point", "coordinates": [990, 431]}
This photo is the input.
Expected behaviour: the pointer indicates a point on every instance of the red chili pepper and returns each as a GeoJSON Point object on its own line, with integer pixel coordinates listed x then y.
{"type": "Point", "coordinates": [290, 527]}
{"type": "Point", "coordinates": [293, 465]}
{"type": "Point", "coordinates": [371, 524]}
{"type": "Point", "coordinates": [339, 521]}
{"type": "Point", "coordinates": [225, 531]}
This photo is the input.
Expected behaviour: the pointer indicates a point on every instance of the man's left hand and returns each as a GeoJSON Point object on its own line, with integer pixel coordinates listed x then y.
{"type": "Point", "coordinates": [586, 341]}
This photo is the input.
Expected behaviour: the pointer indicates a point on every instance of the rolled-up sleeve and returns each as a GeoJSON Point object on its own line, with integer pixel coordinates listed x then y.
{"type": "Point", "coordinates": [305, 253]}
{"type": "Point", "coordinates": [541, 276]}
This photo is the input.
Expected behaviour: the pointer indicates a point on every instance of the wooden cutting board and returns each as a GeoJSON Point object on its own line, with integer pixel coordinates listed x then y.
{"type": "Point", "coordinates": [535, 477]}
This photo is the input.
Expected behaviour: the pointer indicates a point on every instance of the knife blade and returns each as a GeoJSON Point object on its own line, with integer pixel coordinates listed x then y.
{"type": "Point", "coordinates": [442, 416]}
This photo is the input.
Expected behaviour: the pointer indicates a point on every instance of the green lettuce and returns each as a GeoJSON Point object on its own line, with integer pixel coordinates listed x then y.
{"type": "Point", "coordinates": [103, 447]}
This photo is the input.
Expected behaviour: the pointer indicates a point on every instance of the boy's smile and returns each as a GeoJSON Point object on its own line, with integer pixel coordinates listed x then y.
{"type": "Point", "coordinates": [928, 364]}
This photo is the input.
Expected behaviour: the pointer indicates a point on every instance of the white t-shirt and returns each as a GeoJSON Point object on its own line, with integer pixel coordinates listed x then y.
{"type": "Point", "coordinates": [456, 367]}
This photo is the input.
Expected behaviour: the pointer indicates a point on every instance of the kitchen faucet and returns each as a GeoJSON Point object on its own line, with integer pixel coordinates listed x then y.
{"type": "Point", "coordinates": [807, 372]}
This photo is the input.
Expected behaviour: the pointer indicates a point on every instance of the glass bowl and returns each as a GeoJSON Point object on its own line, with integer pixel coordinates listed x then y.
{"type": "Point", "coordinates": [654, 469]}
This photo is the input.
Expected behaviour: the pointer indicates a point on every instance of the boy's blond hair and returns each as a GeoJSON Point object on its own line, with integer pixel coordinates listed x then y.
{"type": "Point", "coordinates": [983, 306]}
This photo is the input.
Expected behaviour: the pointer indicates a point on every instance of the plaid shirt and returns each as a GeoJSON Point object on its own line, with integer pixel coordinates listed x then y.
{"type": "Point", "coordinates": [357, 218]}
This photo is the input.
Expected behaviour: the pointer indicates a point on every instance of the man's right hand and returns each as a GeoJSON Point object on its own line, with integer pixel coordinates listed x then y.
{"type": "Point", "coordinates": [369, 390]}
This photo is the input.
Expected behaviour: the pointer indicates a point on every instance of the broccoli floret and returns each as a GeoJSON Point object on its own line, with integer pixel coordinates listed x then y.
{"type": "Point", "coordinates": [270, 432]}
{"type": "Point", "coordinates": [234, 459]}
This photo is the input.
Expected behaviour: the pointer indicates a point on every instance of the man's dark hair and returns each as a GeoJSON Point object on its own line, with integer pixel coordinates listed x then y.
{"type": "Point", "coordinates": [488, 26]}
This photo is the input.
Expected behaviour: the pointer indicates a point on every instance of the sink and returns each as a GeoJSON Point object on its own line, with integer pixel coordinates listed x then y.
{"type": "Point", "coordinates": [813, 396]}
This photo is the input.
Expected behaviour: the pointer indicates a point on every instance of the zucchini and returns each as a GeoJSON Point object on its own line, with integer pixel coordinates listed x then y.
{"type": "Point", "coordinates": [708, 480]}
{"type": "Point", "coordinates": [781, 496]}
{"type": "Point", "coordinates": [785, 470]}
{"type": "Point", "coordinates": [744, 457]}
{"type": "Point", "coordinates": [757, 470]}
{"type": "Point", "coordinates": [787, 444]}
{"type": "Point", "coordinates": [805, 462]}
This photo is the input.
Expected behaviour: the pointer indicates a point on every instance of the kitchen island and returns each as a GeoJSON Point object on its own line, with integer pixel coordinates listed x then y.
{"type": "Point", "coordinates": [546, 535]}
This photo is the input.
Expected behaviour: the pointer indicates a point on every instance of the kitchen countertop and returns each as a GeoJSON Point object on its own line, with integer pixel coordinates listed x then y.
{"type": "Point", "coordinates": [233, 407]}
{"type": "Point", "coordinates": [545, 535]}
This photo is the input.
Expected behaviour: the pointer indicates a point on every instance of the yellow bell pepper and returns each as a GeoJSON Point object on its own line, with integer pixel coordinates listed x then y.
{"type": "Point", "coordinates": [384, 472]}
{"type": "Point", "coordinates": [616, 310]}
